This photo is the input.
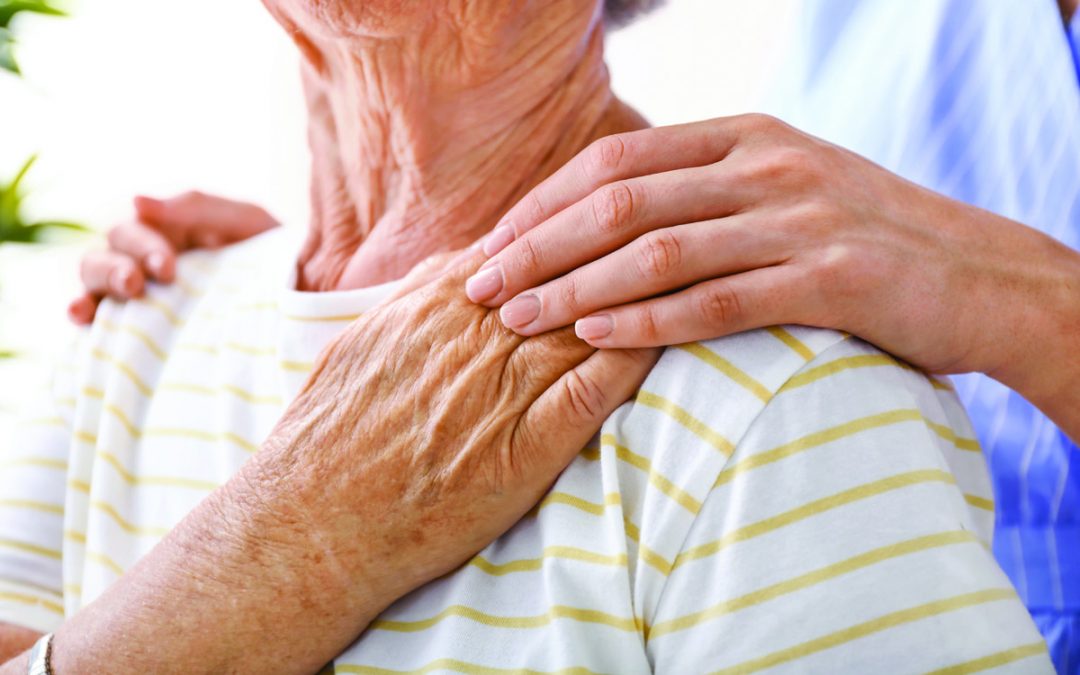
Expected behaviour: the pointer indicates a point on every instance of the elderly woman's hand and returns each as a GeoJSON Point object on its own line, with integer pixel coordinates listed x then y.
{"type": "Point", "coordinates": [676, 234]}
{"type": "Point", "coordinates": [145, 248]}
{"type": "Point", "coordinates": [425, 431]}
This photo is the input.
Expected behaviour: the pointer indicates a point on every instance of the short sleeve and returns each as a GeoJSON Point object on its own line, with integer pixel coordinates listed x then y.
{"type": "Point", "coordinates": [848, 532]}
{"type": "Point", "coordinates": [33, 475]}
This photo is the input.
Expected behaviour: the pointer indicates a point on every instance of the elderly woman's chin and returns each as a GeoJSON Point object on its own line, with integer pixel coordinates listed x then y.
{"type": "Point", "coordinates": [363, 18]}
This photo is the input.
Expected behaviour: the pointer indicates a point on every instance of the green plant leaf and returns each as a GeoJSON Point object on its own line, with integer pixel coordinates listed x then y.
{"type": "Point", "coordinates": [7, 52]}
{"type": "Point", "coordinates": [10, 8]}
{"type": "Point", "coordinates": [13, 226]}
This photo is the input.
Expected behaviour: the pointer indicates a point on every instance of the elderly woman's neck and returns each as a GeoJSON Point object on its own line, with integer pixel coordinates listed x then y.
{"type": "Point", "coordinates": [419, 147]}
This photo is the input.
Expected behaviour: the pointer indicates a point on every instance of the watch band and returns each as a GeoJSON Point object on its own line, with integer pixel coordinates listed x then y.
{"type": "Point", "coordinates": [41, 657]}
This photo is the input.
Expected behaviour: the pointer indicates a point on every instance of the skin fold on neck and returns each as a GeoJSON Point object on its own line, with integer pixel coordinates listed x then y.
{"type": "Point", "coordinates": [423, 137]}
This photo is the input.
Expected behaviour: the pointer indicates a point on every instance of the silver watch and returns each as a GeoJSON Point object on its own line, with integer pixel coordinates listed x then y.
{"type": "Point", "coordinates": [41, 657]}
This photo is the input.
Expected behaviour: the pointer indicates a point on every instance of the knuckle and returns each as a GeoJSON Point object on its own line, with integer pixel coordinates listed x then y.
{"type": "Point", "coordinates": [719, 305]}
{"type": "Point", "coordinates": [585, 397]}
{"type": "Point", "coordinates": [116, 237]}
{"type": "Point", "coordinates": [658, 254]}
{"type": "Point", "coordinates": [528, 254]}
{"type": "Point", "coordinates": [570, 295]}
{"type": "Point", "coordinates": [760, 122]}
{"type": "Point", "coordinates": [606, 155]}
{"type": "Point", "coordinates": [613, 207]}
{"type": "Point", "coordinates": [648, 325]}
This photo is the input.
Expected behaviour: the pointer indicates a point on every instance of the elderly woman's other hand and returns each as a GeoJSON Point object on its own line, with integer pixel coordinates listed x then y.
{"type": "Point", "coordinates": [425, 431]}
{"type": "Point", "coordinates": [676, 234]}
{"type": "Point", "coordinates": [145, 248]}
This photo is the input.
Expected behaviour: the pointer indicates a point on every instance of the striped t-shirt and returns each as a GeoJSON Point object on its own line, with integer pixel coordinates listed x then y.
{"type": "Point", "coordinates": [785, 500]}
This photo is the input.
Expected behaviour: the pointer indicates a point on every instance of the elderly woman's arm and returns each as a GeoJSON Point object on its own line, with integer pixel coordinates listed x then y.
{"type": "Point", "coordinates": [425, 431]}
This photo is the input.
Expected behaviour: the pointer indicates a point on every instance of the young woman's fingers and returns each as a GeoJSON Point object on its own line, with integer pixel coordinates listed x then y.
{"type": "Point", "coordinates": [755, 299]}
{"type": "Point", "coordinates": [658, 262]}
{"type": "Point", "coordinates": [608, 218]}
{"type": "Point", "coordinates": [153, 251]}
{"type": "Point", "coordinates": [106, 273]}
{"type": "Point", "coordinates": [82, 309]}
{"type": "Point", "coordinates": [197, 220]}
{"type": "Point", "coordinates": [622, 156]}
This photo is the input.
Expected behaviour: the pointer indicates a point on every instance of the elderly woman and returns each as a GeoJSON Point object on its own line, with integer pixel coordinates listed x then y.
{"type": "Point", "coordinates": [290, 459]}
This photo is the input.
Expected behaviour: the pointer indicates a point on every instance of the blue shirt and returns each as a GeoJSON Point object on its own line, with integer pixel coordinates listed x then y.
{"type": "Point", "coordinates": [979, 101]}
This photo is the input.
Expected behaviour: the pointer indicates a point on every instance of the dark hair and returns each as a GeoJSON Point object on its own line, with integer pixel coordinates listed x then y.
{"type": "Point", "coordinates": [621, 12]}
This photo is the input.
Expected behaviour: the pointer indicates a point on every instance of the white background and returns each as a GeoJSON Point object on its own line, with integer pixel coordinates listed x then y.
{"type": "Point", "coordinates": [155, 97]}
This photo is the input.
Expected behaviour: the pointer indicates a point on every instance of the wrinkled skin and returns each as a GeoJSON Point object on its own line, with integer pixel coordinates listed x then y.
{"type": "Point", "coordinates": [425, 431]}
{"type": "Point", "coordinates": [441, 414]}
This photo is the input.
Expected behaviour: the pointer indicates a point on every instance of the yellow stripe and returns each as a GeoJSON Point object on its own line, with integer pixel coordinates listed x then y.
{"type": "Point", "coordinates": [632, 530]}
{"type": "Point", "coordinates": [132, 479]}
{"type": "Point", "coordinates": [66, 402]}
{"type": "Point", "coordinates": [125, 422]}
{"type": "Point", "coordinates": [198, 435]}
{"type": "Point", "coordinates": [729, 369]}
{"type": "Point", "coordinates": [833, 367]}
{"type": "Point", "coordinates": [813, 578]}
{"type": "Point", "coordinates": [165, 310]}
{"type": "Point", "coordinates": [877, 625]}
{"type": "Point", "coordinates": [680, 496]}
{"type": "Point", "coordinates": [693, 424]}
{"type": "Point", "coordinates": [36, 587]}
{"type": "Point", "coordinates": [322, 319]}
{"type": "Point", "coordinates": [256, 307]}
{"type": "Point", "coordinates": [188, 289]}
{"type": "Point", "coordinates": [979, 502]}
{"type": "Point", "coordinates": [77, 537]}
{"type": "Point", "coordinates": [206, 349]}
{"type": "Point", "coordinates": [141, 336]}
{"type": "Point", "coordinates": [242, 394]}
{"type": "Point", "coordinates": [969, 444]}
{"type": "Point", "coordinates": [46, 422]}
{"type": "Point", "coordinates": [86, 437]}
{"type": "Point", "coordinates": [554, 613]}
{"type": "Point", "coordinates": [818, 506]}
{"type": "Point", "coordinates": [32, 601]}
{"type": "Point", "coordinates": [33, 506]}
{"type": "Point", "coordinates": [106, 562]}
{"type": "Point", "coordinates": [993, 660]}
{"type": "Point", "coordinates": [126, 526]}
{"type": "Point", "coordinates": [792, 342]}
{"type": "Point", "coordinates": [79, 485]}
{"type": "Point", "coordinates": [817, 439]}
{"type": "Point", "coordinates": [655, 560]}
{"type": "Point", "coordinates": [90, 392]}
{"type": "Point", "coordinates": [610, 499]}
{"type": "Point", "coordinates": [298, 366]}
{"type": "Point", "coordinates": [124, 368]}
{"type": "Point", "coordinates": [550, 552]}
{"type": "Point", "coordinates": [30, 548]}
{"type": "Point", "coordinates": [457, 666]}
{"type": "Point", "coordinates": [251, 350]}
{"type": "Point", "coordinates": [57, 464]}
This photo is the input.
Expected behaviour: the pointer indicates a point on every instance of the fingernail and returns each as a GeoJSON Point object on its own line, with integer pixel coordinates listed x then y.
{"type": "Point", "coordinates": [520, 311]}
{"type": "Point", "coordinates": [499, 239]}
{"type": "Point", "coordinates": [123, 281]}
{"type": "Point", "coordinates": [484, 284]}
{"type": "Point", "coordinates": [156, 262]}
{"type": "Point", "coordinates": [594, 327]}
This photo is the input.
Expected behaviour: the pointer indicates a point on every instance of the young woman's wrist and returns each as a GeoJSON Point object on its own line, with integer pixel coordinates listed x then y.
{"type": "Point", "coordinates": [1046, 369]}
